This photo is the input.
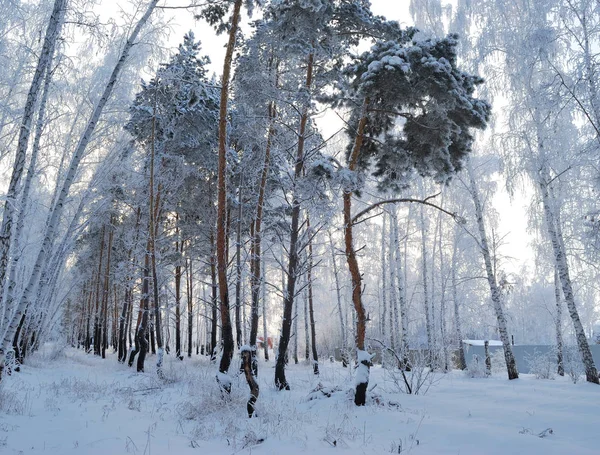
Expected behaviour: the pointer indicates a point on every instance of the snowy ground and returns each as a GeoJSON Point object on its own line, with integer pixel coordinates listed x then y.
{"type": "Point", "coordinates": [72, 403]}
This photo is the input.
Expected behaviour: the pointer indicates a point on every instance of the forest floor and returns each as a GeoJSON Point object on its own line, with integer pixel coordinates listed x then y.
{"type": "Point", "coordinates": [67, 402]}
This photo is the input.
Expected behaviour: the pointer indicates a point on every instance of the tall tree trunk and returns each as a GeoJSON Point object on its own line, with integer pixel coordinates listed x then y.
{"type": "Point", "coordinates": [306, 325]}
{"type": "Point", "coordinates": [178, 304]}
{"type": "Point", "coordinates": [10, 204]}
{"type": "Point", "coordinates": [214, 301]}
{"type": "Point", "coordinates": [428, 318]}
{"type": "Point", "coordinates": [141, 333]}
{"type": "Point", "coordinates": [396, 265]}
{"type": "Point", "coordinates": [152, 230]}
{"type": "Point", "coordinates": [226, 330]}
{"type": "Point", "coordinates": [128, 300]}
{"type": "Point", "coordinates": [462, 363]}
{"type": "Point", "coordinates": [292, 271]}
{"type": "Point", "coordinates": [311, 311]}
{"type": "Point", "coordinates": [363, 357]}
{"type": "Point", "coordinates": [98, 306]}
{"type": "Point", "coordinates": [443, 282]}
{"type": "Point", "coordinates": [256, 273]}
{"type": "Point", "coordinates": [558, 324]}
{"type": "Point", "coordinates": [56, 211]}
{"type": "Point", "coordinates": [384, 284]}
{"type": "Point", "coordinates": [24, 200]}
{"type": "Point", "coordinates": [393, 279]}
{"type": "Point", "coordinates": [238, 269]}
{"type": "Point", "coordinates": [496, 294]}
{"type": "Point", "coordinates": [341, 313]}
{"type": "Point", "coordinates": [264, 313]}
{"type": "Point", "coordinates": [190, 303]}
{"type": "Point", "coordinates": [591, 373]}
{"type": "Point", "coordinates": [106, 290]}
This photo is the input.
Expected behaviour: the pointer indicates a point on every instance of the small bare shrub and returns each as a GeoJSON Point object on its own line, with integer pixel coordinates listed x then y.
{"type": "Point", "coordinates": [541, 365]}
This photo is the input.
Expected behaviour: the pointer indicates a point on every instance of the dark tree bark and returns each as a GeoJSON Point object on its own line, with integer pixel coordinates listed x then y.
{"type": "Point", "coordinates": [364, 359]}
{"type": "Point", "coordinates": [106, 291]}
{"type": "Point", "coordinates": [97, 316]}
{"type": "Point", "coordinates": [141, 332]}
{"type": "Point", "coordinates": [179, 251]}
{"type": "Point", "coordinates": [290, 292]}
{"type": "Point", "coordinates": [311, 312]}
{"type": "Point", "coordinates": [226, 329]}
{"type": "Point", "coordinates": [128, 300]}
{"type": "Point", "coordinates": [190, 308]}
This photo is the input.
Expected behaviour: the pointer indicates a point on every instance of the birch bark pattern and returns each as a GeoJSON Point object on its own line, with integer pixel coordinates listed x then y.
{"type": "Point", "coordinates": [9, 209]}
{"type": "Point", "coordinates": [57, 209]}
{"type": "Point", "coordinates": [496, 295]}
{"type": "Point", "coordinates": [226, 329]}
{"type": "Point", "coordinates": [591, 373]}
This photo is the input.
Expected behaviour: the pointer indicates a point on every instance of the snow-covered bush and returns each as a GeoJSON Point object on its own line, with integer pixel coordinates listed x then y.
{"type": "Point", "coordinates": [572, 363]}
{"type": "Point", "coordinates": [498, 361]}
{"type": "Point", "coordinates": [542, 365]}
{"type": "Point", "coordinates": [476, 368]}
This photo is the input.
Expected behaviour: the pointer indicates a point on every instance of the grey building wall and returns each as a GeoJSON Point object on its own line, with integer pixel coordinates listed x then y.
{"type": "Point", "coordinates": [525, 352]}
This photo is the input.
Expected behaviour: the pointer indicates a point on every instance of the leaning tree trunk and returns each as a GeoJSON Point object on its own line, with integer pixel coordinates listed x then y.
{"type": "Point", "coordinates": [24, 199]}
{"type": "Point", "coordinates": [363, 357]}
{"type": "Point", "coordinates": [10, 204]}
{"type": "Point", "coordinates": [56, 211]}
{"type": "Point", "coordinates": [496, 294]}
{"type": "Point", "coordinates": [227, 333]}
{"type": "Point", "coordinates": [292, 271]}
{"type": "Point", "coordinates": [591, 373]}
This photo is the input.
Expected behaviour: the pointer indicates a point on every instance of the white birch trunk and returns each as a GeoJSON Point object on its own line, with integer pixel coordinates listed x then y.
{"type": "Point", "coordinates": [24, 199]}
{"type": "Point", "coordinates": [393, 279]}
{"type": "Point", "coordinates": [338, 293]}
{"type": "Point", "coordinates": [591, 373]}
{"type": "Point", "coordinates": [457, 327]}
{"type": "Point", "coordinates": [56, 212]}
{"type": "Point", "coordinates": [383, 277]}
{"type": "Point", "coordinates": [494, 289]}
{"type": "Point", "coordinates": [428, 319]}
{"type": "Point", "coordinates": [6, 230]}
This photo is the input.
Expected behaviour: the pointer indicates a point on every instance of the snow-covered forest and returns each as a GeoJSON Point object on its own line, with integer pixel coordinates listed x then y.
{"type": "Point", "coordinates": [299, 226]}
